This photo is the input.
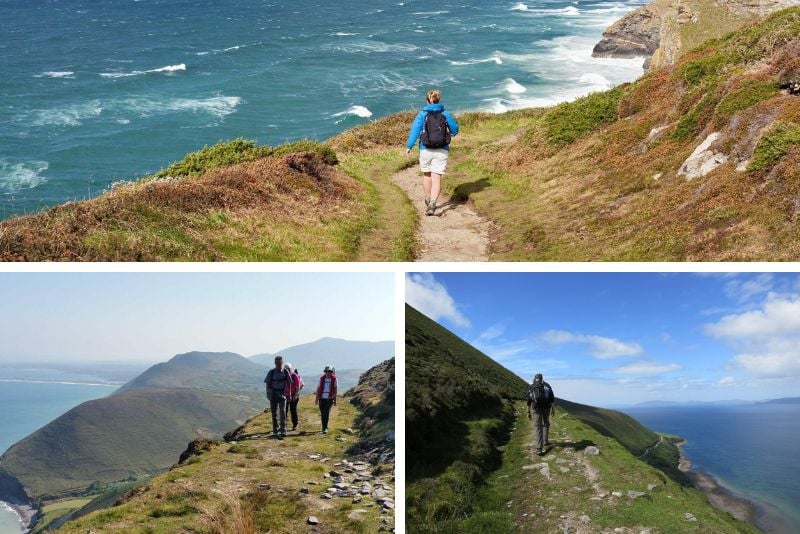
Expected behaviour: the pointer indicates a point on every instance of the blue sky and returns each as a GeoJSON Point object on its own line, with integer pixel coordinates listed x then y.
{"type": "Point", "coordinates": [622, 338]}
{"type": "Point", "coordinates": [153, 316]}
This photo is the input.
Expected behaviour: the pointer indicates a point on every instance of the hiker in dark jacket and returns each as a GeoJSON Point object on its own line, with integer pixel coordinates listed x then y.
{"type": "Point", "coordinates": [326, 395]}
{"type": "Point", "coordinates": [432, 160]}
{"type": "Point", "coordinates": [277, 380]}
{"type": "Point", "coordinates": [540, 401]}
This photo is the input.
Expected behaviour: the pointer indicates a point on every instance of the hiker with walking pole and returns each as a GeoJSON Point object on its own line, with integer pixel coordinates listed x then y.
{"type": "Point", "coordinates": [326, 395]}
{"type": "Point", "coordinates": [541, 401]}
{"type": "Point", "coordinates": [434, 128]}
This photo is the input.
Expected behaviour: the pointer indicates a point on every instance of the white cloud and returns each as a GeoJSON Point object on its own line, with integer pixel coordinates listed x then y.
{"type": "Point", "coordinates": [725, 381]}
{"type": "Point", "coordinates": [767, 340]}
{"type": "Point", "coordinates": [745, 289]}
{"type": "Point", "coordinates": [493, 332]}
{"type": "Point", "coordinates": [600, 347]}
{"type": "Point", "coordinates": [646, 368]}
{"type": "Point", "coordinates": [430, 297]}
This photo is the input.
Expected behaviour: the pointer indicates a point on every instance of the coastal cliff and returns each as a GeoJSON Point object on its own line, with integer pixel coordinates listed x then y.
{"type": "Point", "coordinates": [664, 30]}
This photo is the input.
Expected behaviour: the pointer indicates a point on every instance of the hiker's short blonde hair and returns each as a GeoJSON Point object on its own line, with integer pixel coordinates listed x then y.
{"type": "Point", "coordinates": [434, 96]}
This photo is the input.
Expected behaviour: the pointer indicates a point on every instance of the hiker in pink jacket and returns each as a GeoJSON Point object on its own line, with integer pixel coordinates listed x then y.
{"type": "Point", "coordinates": [292, 392]}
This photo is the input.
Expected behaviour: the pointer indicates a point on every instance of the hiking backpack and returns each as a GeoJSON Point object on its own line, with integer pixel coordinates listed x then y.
{"type": "Point", "coordinates": [540, 394]}
{"type": "Point", "coordinates": [435, 131]}
{"type": "Point", "coordinates": [276, 382]}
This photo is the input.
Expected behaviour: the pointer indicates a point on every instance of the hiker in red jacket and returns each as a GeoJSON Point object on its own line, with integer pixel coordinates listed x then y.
{"type": "Point", "coordinates": [326, 395]}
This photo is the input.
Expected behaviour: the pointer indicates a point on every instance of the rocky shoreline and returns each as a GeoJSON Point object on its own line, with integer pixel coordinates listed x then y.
{"type": "Point", "coordinates": [719, 496]}
{"type": "Point", "coordinates": [27, 514]}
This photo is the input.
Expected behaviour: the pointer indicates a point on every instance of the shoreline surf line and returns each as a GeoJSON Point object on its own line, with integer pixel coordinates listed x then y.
{"type": "Point", "coordinates": [25, 514]}
{"type": "Point", "coordinates": [720, 496]}
{"type": "Point", "coordinates": [39, 381]}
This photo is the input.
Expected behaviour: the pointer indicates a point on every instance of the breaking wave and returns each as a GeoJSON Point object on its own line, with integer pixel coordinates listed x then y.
{"type": "Point", "coordinates": [169, 69]}
{"type": "Point", "coordinates": [22, 175]}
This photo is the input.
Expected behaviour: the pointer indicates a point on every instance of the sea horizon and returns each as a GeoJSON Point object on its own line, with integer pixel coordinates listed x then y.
{"type": "Point", "coordinates": [721, 441]}
{"type": "Point", "coordinates": [117, 92]}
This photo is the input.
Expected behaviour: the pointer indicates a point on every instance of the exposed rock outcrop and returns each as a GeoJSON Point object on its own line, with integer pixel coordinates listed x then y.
{"type": "Point", "coordinates": [663, 30]}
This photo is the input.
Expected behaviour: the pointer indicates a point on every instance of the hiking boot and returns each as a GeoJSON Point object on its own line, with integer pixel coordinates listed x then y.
{"type": "Point", "coordinates": [540, 452]}
{"type": "Point", "coordinates": [294, 428]}
{"type": "Point", "coordinates": [427, 203]}
{"type": "Point", "coordinates": [431, 208]}
{"type": "Point", "coordinates": [324, 430]}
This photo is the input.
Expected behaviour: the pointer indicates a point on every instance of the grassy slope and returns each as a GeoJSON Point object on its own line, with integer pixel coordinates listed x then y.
{"type": "Point", "coordinates": [233, 201]}
{"type": "Point", "coordinates": [521, 500]}
{"type": "Point", "coordinates": [218, 491]}
{"type": "Point", "coordinates": [122, 437]}
{"type": "Point", "coordinates": [459, 418]}
{"type": "Point", "coordinates": [594, 179]}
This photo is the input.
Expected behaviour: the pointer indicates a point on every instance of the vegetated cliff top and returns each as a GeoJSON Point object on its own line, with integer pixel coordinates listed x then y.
{"type": "Point", "coordinates": [255, 483]}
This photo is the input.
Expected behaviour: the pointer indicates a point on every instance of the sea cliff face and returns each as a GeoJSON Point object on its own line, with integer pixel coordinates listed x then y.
{"type": "Point", "coordinates": [663, 30]}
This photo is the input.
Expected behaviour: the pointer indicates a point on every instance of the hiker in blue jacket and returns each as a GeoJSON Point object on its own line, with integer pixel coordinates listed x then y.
{"type": "Point", "coordinates": [434, 127]}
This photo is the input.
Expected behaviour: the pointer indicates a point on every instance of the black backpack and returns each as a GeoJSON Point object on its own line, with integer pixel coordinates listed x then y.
{"type": "Point", "coordinates": [435, 132]}
{"type": "Point", "coordinates": [540, 394]}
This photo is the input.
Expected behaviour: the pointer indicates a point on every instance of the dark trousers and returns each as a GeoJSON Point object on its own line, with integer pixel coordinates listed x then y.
{"type": "Point", "coordinates": [541, 420]}
{"type": "Point", "coordinates": [291, 408]}
{"type": "Point", "coordinates": [277, 405]}
{"type": "Point", "coordinates": [325, 411]}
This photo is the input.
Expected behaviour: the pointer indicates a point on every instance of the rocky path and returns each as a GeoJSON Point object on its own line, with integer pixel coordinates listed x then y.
{"type": "Point", "coordinates": [454, 233]}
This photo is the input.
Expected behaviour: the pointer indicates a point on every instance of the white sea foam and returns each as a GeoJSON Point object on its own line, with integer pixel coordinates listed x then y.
{"type": "Point", "coordinates": [364, 46]}
{"type": "Point", "coordinates": [230, 48]}
{"type": "Point", "coordinates": [169, 70]}
{"type": "Point", "coordinates": [21, 175]}
{"type": "Point", "coordinates": [201, 53]}
{"type": "Point", "coordinates": [8, 507]}
{"type": "Point", "coordinates": [512, 86]}
{"type": "Point", "coordinates": [494, 59]}
{"type": "Point", "coordinates": [359, 111]}
{"type": "Point", "coordinates": [595, 79]}
{"type": "Point", "coordinates": [569, 11]}
{"type": "Point", "coordinates": [344, 34]}
{"type": "Point", "coordinates": [56, 74]}
{"type": "Point", "coordinates": [428, 13]}
{"type": "Point", "coordinates": [72, 115]}
{"type": "Point", "coordinates": [519, 6]}
{"type": "Point", "coordinates": [219, 106]}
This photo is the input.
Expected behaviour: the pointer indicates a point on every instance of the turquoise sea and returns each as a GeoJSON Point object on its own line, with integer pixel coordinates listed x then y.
{"type": "Point", "coordinates": [750, 449]}
{"type": "Point", "coordinates": [29, 405]}
{"type": "Point", "coordinates": [95, 92]}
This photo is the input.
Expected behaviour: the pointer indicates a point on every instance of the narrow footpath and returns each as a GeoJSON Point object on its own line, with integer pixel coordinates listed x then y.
{"type": "Point", "coordinates": [455, 233]}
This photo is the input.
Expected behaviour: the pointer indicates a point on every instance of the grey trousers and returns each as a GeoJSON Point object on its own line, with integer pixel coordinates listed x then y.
{"type": "Point", "coordinates": [541, 421]}
{"type": "Point", "coordinates": [277, 405]}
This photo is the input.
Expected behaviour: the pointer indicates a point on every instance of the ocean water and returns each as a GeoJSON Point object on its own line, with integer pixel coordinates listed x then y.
{"type": "Point", "coordinates": [96, 92]}
{"type": "Point", "coordinates": [750, 449]}
{"type": "Point", "coordinates": [29, 405]}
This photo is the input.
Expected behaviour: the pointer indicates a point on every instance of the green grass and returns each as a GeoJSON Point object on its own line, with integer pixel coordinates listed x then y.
{"type": "Point", "coordinates": [568, 121]}
{"type": "Point", "coordinates": [774, 145]}
{"type": "Point", "coordinates": [240, 150]}
{"type": "Point", "coordinates": [221, 490]}
{"type": "Point", "coordinates": [752, 92]}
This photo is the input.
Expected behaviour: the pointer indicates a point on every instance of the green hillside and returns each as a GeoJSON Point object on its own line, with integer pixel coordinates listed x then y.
{"type": "Point", "coordinates": [468, 438]}
{"type": "Point", "coordinates": [254, 483]}
{"type": "Point", "coordinates": [312, 357]}
{"type": "Point", "coordinates": [213, 371]}
{"type": "Point", "coordinates": [119, 438]}
{"type": "Point", "coordinates": [459, 402]}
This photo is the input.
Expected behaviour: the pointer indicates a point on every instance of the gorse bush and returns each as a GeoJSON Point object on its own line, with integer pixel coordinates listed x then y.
{"type": "Point", "coordinates": [774, 145]}
{"type": "Point", "coordinates": [568, 121]}
{"type": "Point", "coordinates": [227, 153]}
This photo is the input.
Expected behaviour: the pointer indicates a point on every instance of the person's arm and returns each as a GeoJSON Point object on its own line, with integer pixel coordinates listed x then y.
{"type": "Point", "coordinates": [334, 388]}
{"type": "Point", "coordinates": [413, 135]}
{"type": "Point", "coordinates": [451, 123]}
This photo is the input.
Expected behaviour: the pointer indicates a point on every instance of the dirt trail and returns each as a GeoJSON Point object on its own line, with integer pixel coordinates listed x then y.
{"type": "Point", "coordinates": [455, 233]}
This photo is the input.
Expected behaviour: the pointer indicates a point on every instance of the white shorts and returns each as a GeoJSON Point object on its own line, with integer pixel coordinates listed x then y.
{"type": "Point", "coordinates": [433, 160]}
